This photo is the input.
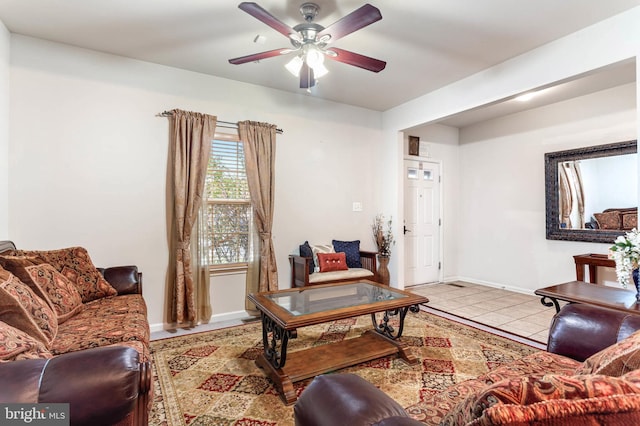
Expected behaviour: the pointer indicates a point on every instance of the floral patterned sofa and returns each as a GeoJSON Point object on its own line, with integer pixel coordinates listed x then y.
{"type": "Point", "coordinates": [73, 333]}
{"type": "Point", "coordinates": [589, 375]}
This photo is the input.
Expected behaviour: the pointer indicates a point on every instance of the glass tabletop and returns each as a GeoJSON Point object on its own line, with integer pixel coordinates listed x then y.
{"type": "Point", "coordinates": [311, 300]}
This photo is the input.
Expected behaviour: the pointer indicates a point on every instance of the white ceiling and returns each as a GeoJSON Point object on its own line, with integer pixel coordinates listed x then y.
{"type": "Point", "coordinates": [426, 43]}
{"type": "Point", "coordinates": [602, 79]}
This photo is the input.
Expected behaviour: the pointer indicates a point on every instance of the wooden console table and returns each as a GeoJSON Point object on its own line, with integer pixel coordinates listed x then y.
{"type": "Point", "coordinates": [592, 260]}
{"type": "Point", "coordinates": [604, 296]}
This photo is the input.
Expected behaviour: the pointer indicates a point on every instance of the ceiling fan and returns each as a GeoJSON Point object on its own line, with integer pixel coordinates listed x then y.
{"type": "Point", "coordinates": [311, 41]}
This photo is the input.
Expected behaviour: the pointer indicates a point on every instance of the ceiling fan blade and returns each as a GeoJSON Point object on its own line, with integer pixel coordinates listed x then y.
{"type": "Point", "coordinates": [356, 59]}
{"type": "Point", "coordinates": [261, 14]}
{"type": "Point", "coordinates": [307, 78]}
{"type": "Point", "coordinates": [258, 56]}
{"type": "Point", "coordinates": [357, 19]}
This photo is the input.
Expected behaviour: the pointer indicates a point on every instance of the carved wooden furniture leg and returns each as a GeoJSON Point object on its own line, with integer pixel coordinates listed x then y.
{"type": "Point", "coordinates": [274, 356]}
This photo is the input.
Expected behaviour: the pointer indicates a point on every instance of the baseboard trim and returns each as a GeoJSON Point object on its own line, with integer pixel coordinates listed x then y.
{"type": "Point", "coordinates": [227, 316]}
{"type": "Point", "coordinates": [492, 284]}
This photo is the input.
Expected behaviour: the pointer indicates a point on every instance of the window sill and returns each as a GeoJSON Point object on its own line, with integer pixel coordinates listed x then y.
{"type": "Point", "coordinates": [227, 269]}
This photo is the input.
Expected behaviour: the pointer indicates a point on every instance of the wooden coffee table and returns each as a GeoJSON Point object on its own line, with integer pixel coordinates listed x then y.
{"type": "Point", "coordinates": [284, 311]}
{"type": "Point", "coordinates": [592, 294]}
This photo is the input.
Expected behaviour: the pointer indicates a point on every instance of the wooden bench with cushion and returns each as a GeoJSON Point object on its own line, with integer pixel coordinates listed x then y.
{"type": "Point", "coordinates": [302, 267]}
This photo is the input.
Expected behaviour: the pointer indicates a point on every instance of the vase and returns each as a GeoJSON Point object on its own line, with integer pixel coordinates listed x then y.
{"type": "Point", "coordinates": [636, 275]}
{"type": "Point", "coordinates": [383, 269]}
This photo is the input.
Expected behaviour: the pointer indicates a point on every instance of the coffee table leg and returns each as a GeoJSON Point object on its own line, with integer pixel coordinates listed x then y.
{"type": "Point", "coordinates": [274, 341]}
{"type": "Point", "coordinates": [274, 356]}
{"type": "Point", "coordinates": [550, 301]}
{"type": "Point", "coordinates": [280, 379]}
{"type": "Point", "coordinates": [388, 330]}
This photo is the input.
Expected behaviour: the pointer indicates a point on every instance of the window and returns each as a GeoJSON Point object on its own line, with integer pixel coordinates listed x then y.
{"type": "Point", "coordinates": [229, 212]}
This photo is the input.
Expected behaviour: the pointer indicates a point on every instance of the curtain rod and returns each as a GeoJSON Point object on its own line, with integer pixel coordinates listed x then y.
{"type": "Point", "coordinates": [225, 124]}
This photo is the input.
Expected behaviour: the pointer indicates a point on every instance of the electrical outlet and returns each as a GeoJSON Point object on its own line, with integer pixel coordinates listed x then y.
{"type": "Point", "coordinates": [357, 206]}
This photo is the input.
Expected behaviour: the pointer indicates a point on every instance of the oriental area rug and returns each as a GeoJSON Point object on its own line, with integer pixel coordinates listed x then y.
{"type": "Point", "coordinates": [210, 378]}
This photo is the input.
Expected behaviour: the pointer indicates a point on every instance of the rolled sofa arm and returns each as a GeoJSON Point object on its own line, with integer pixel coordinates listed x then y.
{"type": "Point", "coordinates": [347, 399]}
{"type": "Point", "coordinates": [125, 279]}
{"type": "Point", "coordinates": [579, 330]}
{"type": "Point", "coordinates": [101, 385]}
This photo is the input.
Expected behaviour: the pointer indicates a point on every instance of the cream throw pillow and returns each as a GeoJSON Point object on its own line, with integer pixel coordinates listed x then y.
{"type": "Point", "coordinates": [320, 248]}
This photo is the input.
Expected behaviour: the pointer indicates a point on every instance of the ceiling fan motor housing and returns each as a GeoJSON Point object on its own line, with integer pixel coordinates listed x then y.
{"type": "Point", "coordinates": [308, 31]}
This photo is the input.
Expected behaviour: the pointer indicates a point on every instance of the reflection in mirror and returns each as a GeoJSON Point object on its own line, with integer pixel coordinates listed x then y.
{"type": "Point", "coordinates": [592, 193]}
{"type": "Point", "coordinates": [597, 193]}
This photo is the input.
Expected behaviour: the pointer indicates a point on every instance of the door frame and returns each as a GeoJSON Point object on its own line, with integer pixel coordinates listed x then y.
{"type": "Point", "coordinates": [440, 211]}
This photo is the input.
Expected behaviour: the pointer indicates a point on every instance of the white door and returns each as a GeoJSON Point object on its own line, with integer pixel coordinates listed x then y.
{"type": "Point", "coordinates": [421, 222]}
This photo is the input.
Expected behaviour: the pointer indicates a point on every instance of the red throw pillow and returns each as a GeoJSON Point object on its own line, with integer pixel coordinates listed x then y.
{"type": "Point", "coordinates": [332, 262]}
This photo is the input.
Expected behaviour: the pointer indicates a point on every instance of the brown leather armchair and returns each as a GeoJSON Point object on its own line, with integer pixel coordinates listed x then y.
{"type": "Point", "coordinates": [103, 386]}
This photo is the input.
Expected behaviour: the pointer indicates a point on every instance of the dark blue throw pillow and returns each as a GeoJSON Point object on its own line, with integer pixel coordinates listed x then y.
{"type": "Point", "coordinates": [305, 251]}
{"type": "Point", "coordinates": [352, 251]}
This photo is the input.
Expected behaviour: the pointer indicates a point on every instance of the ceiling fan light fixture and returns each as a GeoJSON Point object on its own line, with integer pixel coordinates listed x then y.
{"type": "Point", "coordinates": [311, 41]}
{"type": "Point", "coordinates": [294, 65]}
{"type": "Point", "coordinates": [313, 56]}
{"type": "Point", "coordinates": [319, 70]}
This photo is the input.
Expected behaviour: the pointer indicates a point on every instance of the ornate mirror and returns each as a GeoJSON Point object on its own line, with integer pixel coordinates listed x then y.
{"type": "Point", "coordinates": [592, 193]}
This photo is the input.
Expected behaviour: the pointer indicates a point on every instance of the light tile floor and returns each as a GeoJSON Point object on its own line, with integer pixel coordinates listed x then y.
{"type": "Point", "coordinates": [516, 313]}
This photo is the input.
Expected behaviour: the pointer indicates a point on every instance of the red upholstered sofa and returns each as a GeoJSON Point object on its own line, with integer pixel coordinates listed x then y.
{"type": "Point", "coordinates": [590, 375]}
{"type": "Point", "coordinates": [91, 352]}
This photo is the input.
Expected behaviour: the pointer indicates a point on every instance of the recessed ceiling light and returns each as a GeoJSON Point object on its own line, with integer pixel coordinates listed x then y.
{"type": "Point", "coordinates": [526, 97]}
{"type": "Point", "coordinates": [530, 95]}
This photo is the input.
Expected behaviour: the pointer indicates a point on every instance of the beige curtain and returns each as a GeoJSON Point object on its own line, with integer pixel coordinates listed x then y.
{"type": "Point", "coordinates": [200, 261]}
{"type": "Point", "coordinates": [191, 136]}
{"type": "Point", "coordinates": [566, 199]}
{"type": "Point", "coordinates": [578, 189]}
{"type": "Point", "coordinates": [259, 141]}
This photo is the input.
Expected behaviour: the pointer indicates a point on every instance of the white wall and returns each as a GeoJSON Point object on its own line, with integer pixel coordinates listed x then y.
{"type": "Point", "coordinates": [89, 160]}
{"type": "Point", "coordinates": [4, 130]}
{"type": "Point", "coordinates": [502, 187]}
{"type": "Point", "coordinates": [610, 41]}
